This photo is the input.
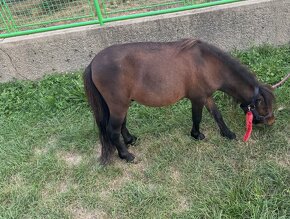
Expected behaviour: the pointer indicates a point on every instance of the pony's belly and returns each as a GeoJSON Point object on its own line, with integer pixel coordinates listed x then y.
{"type": "Point", "coordinates": [155, 100]}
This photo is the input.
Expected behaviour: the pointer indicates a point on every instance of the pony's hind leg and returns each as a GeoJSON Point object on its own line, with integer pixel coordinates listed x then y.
{"type": "Point", "coordinates": [114, 130]}
{"type": "Point", "coordinates": [128, 138]}
{"type": "Point", "coordinates": [224, 130]}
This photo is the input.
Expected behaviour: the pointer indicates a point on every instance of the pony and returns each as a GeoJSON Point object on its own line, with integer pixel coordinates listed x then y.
{"type": "Point", "coordinates": [159, 74]}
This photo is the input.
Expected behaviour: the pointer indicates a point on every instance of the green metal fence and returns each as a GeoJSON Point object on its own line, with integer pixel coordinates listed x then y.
{"type": "Point", "coordinates": [20, 17]}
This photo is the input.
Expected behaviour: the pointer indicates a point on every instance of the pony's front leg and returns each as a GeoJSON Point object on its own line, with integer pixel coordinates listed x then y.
{"type": "Point", "coordinates": [196, 119]}
{"type": "Point", "coordinates": [224, 130]}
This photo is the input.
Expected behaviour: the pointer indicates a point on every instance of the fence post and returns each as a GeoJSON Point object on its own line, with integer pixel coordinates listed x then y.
{"type": "Point", "coordinates": [99, 12]}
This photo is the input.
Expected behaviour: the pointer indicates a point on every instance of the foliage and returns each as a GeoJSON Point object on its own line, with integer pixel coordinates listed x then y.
{"type": "Point", "coordinates": [268, 63]}
{"type": "Point", "coordinates": [53, 93]}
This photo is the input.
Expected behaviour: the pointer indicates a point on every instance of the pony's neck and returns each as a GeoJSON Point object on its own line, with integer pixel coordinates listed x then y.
{"type": "Point", "coordinates": [230, 75]}
{"type": "Point", "coordinates": [240, 89]}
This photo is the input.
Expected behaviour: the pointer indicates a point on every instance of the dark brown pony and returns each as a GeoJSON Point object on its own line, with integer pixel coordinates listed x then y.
{"type": "Point", "coordinates": [160, 74]}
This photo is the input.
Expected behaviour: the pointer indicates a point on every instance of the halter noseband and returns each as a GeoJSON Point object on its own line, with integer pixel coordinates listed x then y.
{"type": "Point", "coordinates": [252, 107]}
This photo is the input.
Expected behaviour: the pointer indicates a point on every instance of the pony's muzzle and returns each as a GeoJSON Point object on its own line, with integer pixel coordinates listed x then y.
{"type": "Point", "coordinates": [270, 121]}
{"type": "Point", "coordinates": [264, 120]}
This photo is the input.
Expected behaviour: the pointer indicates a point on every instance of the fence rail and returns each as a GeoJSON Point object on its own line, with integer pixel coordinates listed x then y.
{"type": "Point", "coordinates": [21, 17]}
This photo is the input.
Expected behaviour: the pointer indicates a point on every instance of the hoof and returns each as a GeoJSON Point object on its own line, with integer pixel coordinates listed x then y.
{"type": "Point", "coordinates": [198, 136]}
{"type": "Point", "coordinates": [128, 157]}
{"type": "Point", "coordinates": [131, 140]}
{"type": "Point", "coordinates": [135, 161]}
{"type": "Point", "coordinates": [230, 135]}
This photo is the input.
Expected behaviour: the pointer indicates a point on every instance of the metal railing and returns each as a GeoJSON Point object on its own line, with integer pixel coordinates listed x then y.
{"type": "Point", "coordinates": [21, 17]}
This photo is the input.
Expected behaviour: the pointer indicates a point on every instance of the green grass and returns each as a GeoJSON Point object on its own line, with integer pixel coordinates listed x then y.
{"type": "Point", "coordinates": [49, 156]}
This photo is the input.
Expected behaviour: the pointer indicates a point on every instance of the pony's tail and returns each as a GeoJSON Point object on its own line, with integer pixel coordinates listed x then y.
{"type": "Point", "coordinates": [101, 113]}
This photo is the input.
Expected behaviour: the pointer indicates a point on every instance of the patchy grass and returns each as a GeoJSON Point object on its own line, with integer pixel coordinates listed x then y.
{"type": "Point", "coordinates": [49, 156]}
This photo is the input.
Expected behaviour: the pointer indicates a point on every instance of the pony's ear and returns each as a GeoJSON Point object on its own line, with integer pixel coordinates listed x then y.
{"type": "Point", "coordinates": [268, 87]}
{"type": "Point", "coordinates": [267, 92]}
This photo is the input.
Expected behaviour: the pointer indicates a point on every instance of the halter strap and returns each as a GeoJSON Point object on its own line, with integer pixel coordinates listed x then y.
{"type": "Point", "coordinates": [252, 106]}
{"type": "Point", "coordinates": [256, 93]}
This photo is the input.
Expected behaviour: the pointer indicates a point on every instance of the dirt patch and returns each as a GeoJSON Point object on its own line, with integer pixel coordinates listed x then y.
{"type": "Point", "coordinates": [284, 160]}
{"type": "Point", "coordinates": [175, 175]}
{"type": "Point", "coordinates": [130, 171]}
{"type": "Point", "coordinates": [180, 199]}
{"type": "Point", "coordinates": [79, 212]}
{"type": "Point", "coordinates": [288, 140]}
{"type": "Point", "coordinates": [52, 189]}
{"type": "Point", "coordinates": [182, 204]}
{"type": "Point", "coordinates": [16, 180]}
{"type": "Point", "coordinates": [70, 158]}
{"type": "Point", "coordinates": [40, 151]}
{"type": "Point", "coordinates": [51, 143]}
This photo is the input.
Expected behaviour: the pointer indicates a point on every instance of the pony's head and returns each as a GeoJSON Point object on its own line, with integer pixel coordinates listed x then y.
{"type": "Point", "coordinates": [261, 105]}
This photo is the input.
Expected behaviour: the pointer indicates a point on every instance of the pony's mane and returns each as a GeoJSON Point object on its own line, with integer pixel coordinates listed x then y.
{"type": "Point", "coordinates": [185, 44]}
{"type": "Point", "coordinates": [233, 64]}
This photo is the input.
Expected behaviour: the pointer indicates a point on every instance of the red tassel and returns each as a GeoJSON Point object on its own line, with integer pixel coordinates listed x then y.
{"type": "Point", "coordinates": [249, 125]}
